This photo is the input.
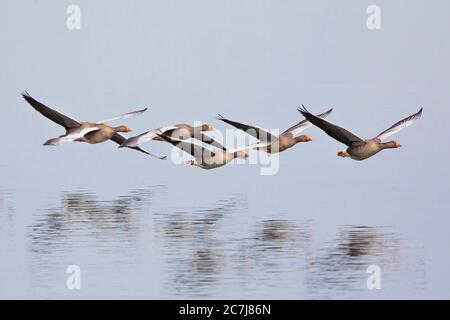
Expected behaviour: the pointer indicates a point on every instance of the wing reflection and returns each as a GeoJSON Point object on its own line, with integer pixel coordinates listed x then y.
{"type": "Point", "coordinates": [82, 215]}
{"type": "Point", "coordinates": [203, 259]}
{"type": "Point", "coordinates": [340, 267]}
{"type": "Point", "coordinates": [194, 253]}
{"type": "Point", "coordinates": [221, 249]}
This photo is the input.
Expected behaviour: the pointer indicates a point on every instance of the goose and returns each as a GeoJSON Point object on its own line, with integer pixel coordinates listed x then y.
{"type": "Point", "coordinates": [89, 132]}
{"type": "Point", "coordinates": [358, 148]}
{"type": "Point", "coordinates": [181, 131]}
{"type": "Point", "coordinates": [271, 143]}
{"type": "Point", "coordinates": [205, 158]}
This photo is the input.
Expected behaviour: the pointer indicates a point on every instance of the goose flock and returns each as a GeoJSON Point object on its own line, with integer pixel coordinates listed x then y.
{"type": "Point", "coordinates": [208, 153]}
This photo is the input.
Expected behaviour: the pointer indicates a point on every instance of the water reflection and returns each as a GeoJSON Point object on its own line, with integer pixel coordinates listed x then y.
{"type": "Point", "coordinates": [82, 215]}
{"type": "Point", "coordinates": [280, 259]}
{"type": "Point", "coordinates": [102, 236]}
{"type": "Point", "coordinates": [194, 251]}
{"type": "Point", "coordinates": [221, 249]}
{"type": "Point", "coordinates": [6, 214]}
{"type": "Point", "coordinates": [340, 267]}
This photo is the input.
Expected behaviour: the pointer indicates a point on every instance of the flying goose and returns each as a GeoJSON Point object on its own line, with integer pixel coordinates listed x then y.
{"type": "Point", "coordinates": [358, 148]}
{"type": "Point", "coordinates": [203, 157]}
{"type": "Point", "coordinates": [271, 143]}
{"type": "Point", "coordinates": [85, 131]}
{"type": "Point", "coordinates": [181, 131]}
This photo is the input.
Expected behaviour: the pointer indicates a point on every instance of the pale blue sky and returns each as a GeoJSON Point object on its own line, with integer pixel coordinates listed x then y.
{"type": "Point", "coordinates": [254, 61]}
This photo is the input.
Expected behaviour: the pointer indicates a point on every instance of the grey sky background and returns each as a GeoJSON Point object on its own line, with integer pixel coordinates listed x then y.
{"type": "Point", "coordinates": [253, 61]}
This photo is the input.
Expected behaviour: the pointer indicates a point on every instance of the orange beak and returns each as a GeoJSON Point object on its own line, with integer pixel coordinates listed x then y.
{"type": "Point", "coordinates": [210, 127]}
{"type": "Point", "coordinates": [128, 129]}
{"type": "Point", "coordinates": [308, 138]}
{"type": "Point", "coordinates": [398, 145]}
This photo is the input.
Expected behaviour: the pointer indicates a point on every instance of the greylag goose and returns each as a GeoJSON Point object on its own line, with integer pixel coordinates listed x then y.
{"type": "Point", "coordinates": [205, 158]}
{"type": "Point", "coordinates": [181, 131]}
{"type": "Point", "coordinates": [358, 148]}
{"type": "Point", "coordinates": [271, 143]}
{"type": "Point", "coordinates": [84, 131]}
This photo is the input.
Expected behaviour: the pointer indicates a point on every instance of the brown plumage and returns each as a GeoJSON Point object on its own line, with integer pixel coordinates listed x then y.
{"type": "Point", "coordinates": [97, 132]}
{"type": "Point", "coordinates": [358, 148]}
{"type": "Point", "coordinates": [284, 142]}
{"type": "Point", "coordinates": [103, 134]}
{"type": "Point", "coordinates": [205, 158]}
{"type": "Point", "coordinates": [184, 131]}
{"type": "Point", "coordinates": [272, 143]}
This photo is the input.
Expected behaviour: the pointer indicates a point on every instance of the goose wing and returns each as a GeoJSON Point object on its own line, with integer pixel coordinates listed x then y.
{"type": "Point", "coordinates": [257, 132]}
{"type": "Point", "coordinates": [69, 137]}
{"type": "Point", "coordinates": [144, 137]}
{"type": "Point", "coordinates": [125, 115]}
{"type": "Point", "coordinates": [55, 116]}
{"type": "Point", "coordinates": [339, 133]}
{"type": "Point", "coordinates": [191, 147]}
{"type": "Point", "coordinates": [120, 139]}
{"type": "Point", "coordinates": [305, 124]}
{"type": "Point", "coordinates": [402, 124]}
{"type": "Point", "coordinates": [209, 140]}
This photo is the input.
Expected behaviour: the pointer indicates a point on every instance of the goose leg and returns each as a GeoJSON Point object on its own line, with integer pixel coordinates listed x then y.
{"type": "Point", "coordinates": [343, 154]}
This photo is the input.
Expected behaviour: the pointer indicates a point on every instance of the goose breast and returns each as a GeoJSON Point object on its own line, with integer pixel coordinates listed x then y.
{"type": "Point", "coordinates": [99, 136]}
{"type": "Point", "coordinates": [361, 151]}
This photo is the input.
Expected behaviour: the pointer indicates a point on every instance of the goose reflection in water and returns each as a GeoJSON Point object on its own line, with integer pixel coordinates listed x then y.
{"type": "Point", "coordinates": [194, 253]}
{"type": "Point", "coordinates": [7, 214]}
{"type": "Point", "coordinates": [212, 250]}
{"type": "Point", "coordinates": [204, 254]}
{"type": "Point", "coordinates": [341, 266]}
{"type": "Point", "coordinates": [82, 215]}
{"type": "Point", "coordinates": [203, 259]}
{"type": "Point", "coordinates": [277, 247]}
{"type": "Point", "coordinates": [103, 237]}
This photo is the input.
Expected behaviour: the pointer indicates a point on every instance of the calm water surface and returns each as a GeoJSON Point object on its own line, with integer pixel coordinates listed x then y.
{"type": "Point", "coordinates": [140, 245]}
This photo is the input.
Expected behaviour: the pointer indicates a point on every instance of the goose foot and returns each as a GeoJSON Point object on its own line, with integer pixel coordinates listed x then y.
{"type": "Point", "coordinates": [343, 154]}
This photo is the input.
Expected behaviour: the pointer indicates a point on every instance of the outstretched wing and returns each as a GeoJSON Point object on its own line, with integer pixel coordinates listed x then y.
{"type": "Point", "coordinates": [209, 140]}
{"type": "Point", "coordinates": [69, 137]}
{"type": "Point", "coordinates": [257, 132]}
{"type": "Point", "coordinates": [125, 115]}
{"type": "Point", "coordinates": [119, 139]}
{"type": "Point", "coordinates": [191, 147]}
{"type": "Point", "coordinates": [144, 137]}
{"type": "Point", "coordinates": [305, 124]}
{"type": "Point", "coordinates": [55, 116]}
{"type": "Point", "coordinates": [249, 147]}
{"type": "Point", "coordinates": [402, 124]}
{"type": "Point", "coordinates": [340, 134]}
